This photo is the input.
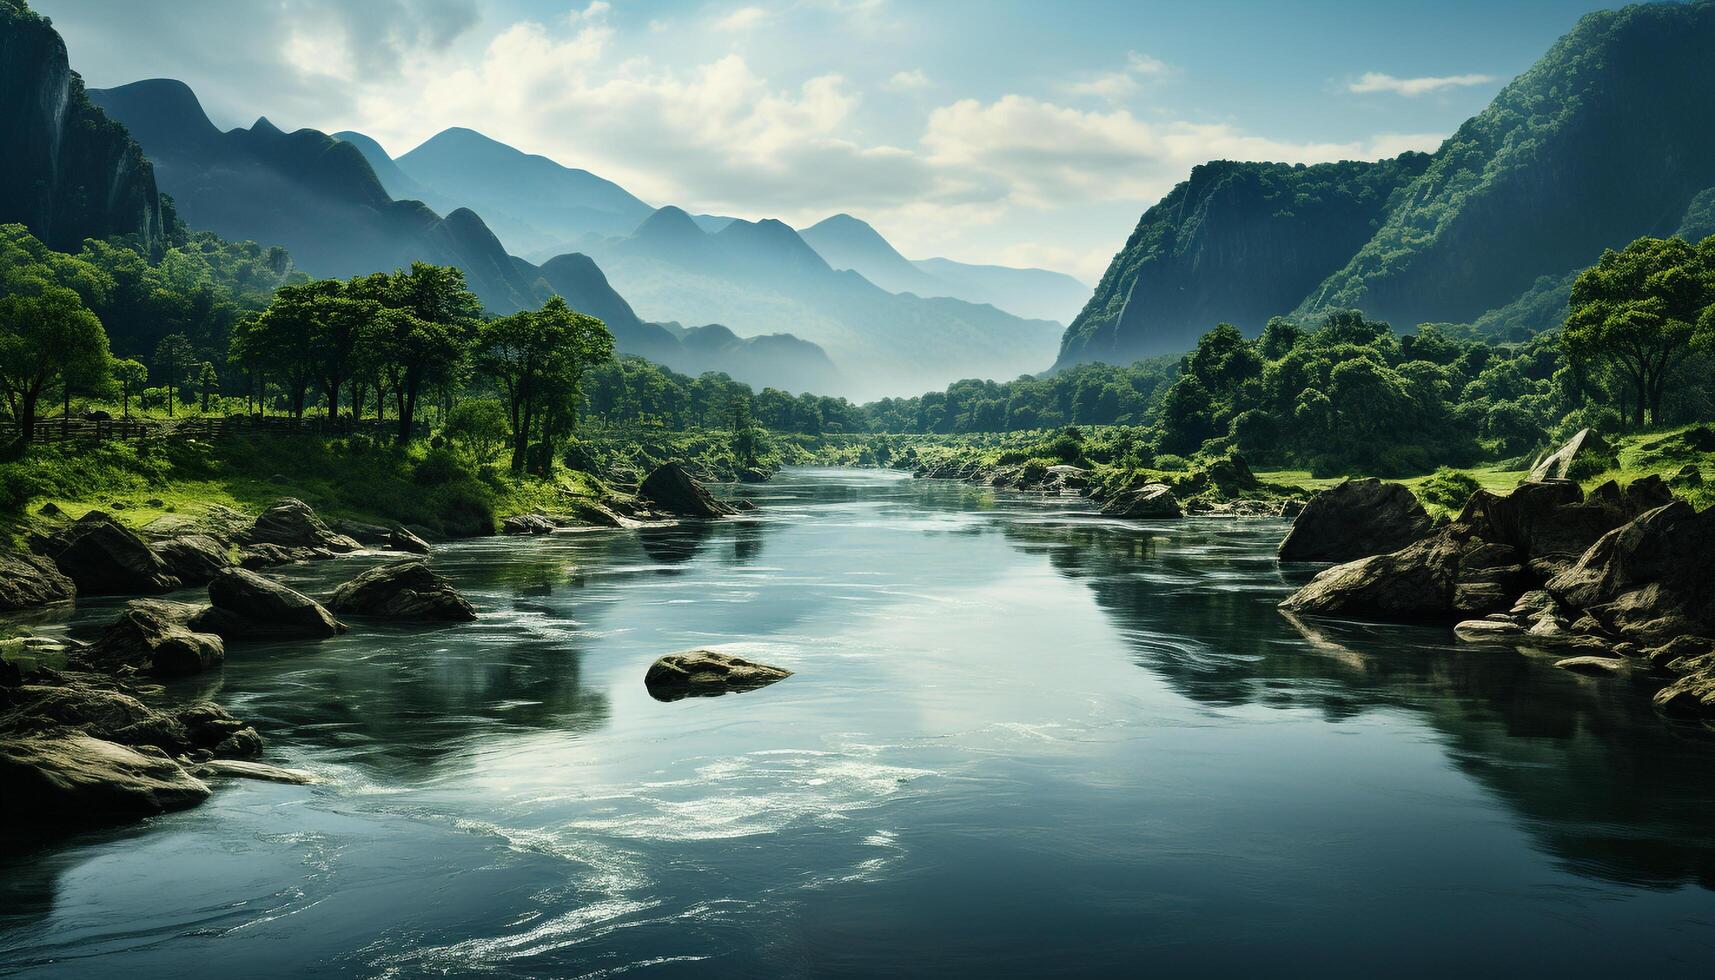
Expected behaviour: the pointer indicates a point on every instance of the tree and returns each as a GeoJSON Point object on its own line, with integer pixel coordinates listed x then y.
{"type": "Point", "coordinates": [479, 425]}
{"type": "Point", "coordinates": [1638, 311]}
{"type": "Point", "coordinates": [173, 359]}
{"type": "Point", "coordinates": [538, 360]}
{"type": "Point", "coordinates": [46, 338]}
{"type": "Point", "coordinates": [131, 376]}
{"type": "Point", "coordinates": [208, 379]}
{"type": "Point", "coordinates": [281, 340]}
{"type": "Point", "coordinates": [428, 321]}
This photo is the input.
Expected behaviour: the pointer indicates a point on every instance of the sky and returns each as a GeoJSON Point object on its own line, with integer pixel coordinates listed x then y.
{"type": "Point", "coordinates": [1016, 133]}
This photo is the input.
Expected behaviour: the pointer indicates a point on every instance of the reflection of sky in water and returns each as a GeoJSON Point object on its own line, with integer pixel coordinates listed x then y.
{"type": "Point", "coordinates": [1018, 740]}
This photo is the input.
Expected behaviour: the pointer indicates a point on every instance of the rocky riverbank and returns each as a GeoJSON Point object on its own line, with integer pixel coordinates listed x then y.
{"type": "Point", "coordinates": [79, 743]}
{"type": "Point", "coordinates": [1224, 487]}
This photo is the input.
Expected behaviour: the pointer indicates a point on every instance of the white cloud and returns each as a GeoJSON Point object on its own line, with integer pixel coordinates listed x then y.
{"type": "Point", "coordinates": [1123, 82]}
{"type": "Point", "coordinates": [906, 81]}
{"type": "Point", "coordinates": [741, 19]}
{"type": "Point", "coordinates": [1375, 81]}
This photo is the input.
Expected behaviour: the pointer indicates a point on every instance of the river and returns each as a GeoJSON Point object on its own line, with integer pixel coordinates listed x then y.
{"type": "Point", "coordinates": [1020, 741]}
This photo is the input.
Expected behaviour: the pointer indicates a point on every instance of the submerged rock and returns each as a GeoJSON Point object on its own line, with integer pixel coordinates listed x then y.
{"type": "Point", "coordinates": [1355, 519]}
{"type": "Point", "coordinates": [403, 590]}
{"type": "Point", "coordinates": [104, 558]}
{"type": "Point", "coordinates": [270, 607]}
{"type": "Point", "coordinates": [396, 537]}
{"type": "Point", "coordinates": [79, 780]}
{"type": "Point", "coordinates": [674, 491]}
{"type": "Point", "coordinates": [32, 580]}
{"type": "Point", "coordinates": [239, 769]}
{"type": "Point", "coordinates": [701, 673]}
{"type": "Point", "coordinates": [155, 637]}
{"type": "Point", "coordinates": [528, 524]}
{"type": "Point", "coordinates": [1152, 500]}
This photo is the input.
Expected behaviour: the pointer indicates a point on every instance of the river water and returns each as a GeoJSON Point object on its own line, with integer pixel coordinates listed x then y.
{"type": "Point", "coordinates": [1020, 741]}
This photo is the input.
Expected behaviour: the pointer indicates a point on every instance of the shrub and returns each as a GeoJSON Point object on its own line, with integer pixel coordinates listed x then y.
{"type": "Point", "coordinates": [438, 467]}
{"type": "Point", "coordinates": [1448, 488]}
{"type": "Point", "coordinates": [1171, 461]}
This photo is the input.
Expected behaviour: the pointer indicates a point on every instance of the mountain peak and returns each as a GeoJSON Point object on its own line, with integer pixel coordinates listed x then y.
{"type": "Point", "coordinates": [668, 224]}
{"type": "Point", "coordinates": [157, 110]}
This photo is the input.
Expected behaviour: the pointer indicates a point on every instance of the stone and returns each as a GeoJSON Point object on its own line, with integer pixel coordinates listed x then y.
{"type": "Point", "coordinates": [1355, 519]}
{"type": "Point", "coordinates": [32, 580]}
{"type": "Point", "coordinates": [1550, 520]}
{"type": "Point", "coordinates": [151, 638]}
{"type": "Point", "coordinates": [1691, 696]}
{"type": "Point", "coordinates": [1488, 631]}
{"type": "Point", "coordinates": [395, 537]}
{"type": "Point", "coordinates": [256, 556]}
{"type": "Point", "coordinates": [701, 673]}
{"type": "Point", "coordinates": [403, 590]}
{"type": "Point", "coordinates": [1150, 501]}
{"type": "Point", "coordinates": [240, 769]}
{"type": "Point", "coordinates": [1593, 666]}
{"type": "Point", "coordinates": [271, 608]}
{"type": "Point", "coordinates": [1688, 476]}
{"type": "Point", "coordinates": [744, 506]}
{"type": "Point", "coordinates": [674, 491]}
{"type": "Point", "coordinates": [1417, 582]}
{"type": "Point", "coordinates": [1650, 580]}
{"type": "Point", "coordinates": [77, 780]}
{"type": "Point", "coordinates": [291, 523]}
{"type": "Point", "coordinates": [528, 524]}
{"type": "Point", "coordinates": [104, 558]}
{"type": "Point", "coordinates": [1556, 465]}
{"type": "Point", "coordinates": [192, 558]}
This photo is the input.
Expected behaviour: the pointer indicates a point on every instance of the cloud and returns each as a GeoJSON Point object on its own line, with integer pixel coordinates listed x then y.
{"type": "Point", "coordinates": [741, 19]}
{"type": "Point", "coordinates": [907, 81]}
{"type": "Point", "coordinates": [1123, 82]}
{"type": "Point", "coordinates": [1375, 81]}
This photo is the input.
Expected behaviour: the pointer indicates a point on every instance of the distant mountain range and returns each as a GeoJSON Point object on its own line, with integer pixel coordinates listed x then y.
{"type": "Point", "coordinates": [764, 275]}
{"type": "Point", "coordinates": [1605, 139]}
{"type": "Point", "coordinates": [850, 243]}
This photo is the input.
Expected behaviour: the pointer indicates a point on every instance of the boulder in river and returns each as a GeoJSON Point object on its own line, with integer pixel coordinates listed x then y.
{"type": "Point", "coordinates": [291, 523]}
{"type": "Point", "coordinates": [149, 637]}
{"type": "Point", "coordinates": [702, 673]}
{"type": "Point", "coordinates": [1650, 580]}
{"type": "Point", "coordinates": [1355, 519]}
{"type": "Point", "coordinates": [74, 779]}
{"type": "Point", "coordinates": [528, 524]}
{"type": "Point", "coordinates": [403, 590]}
{"type": "Point", "coordinates": [674, 491]}
{"type": "Point", "coordinates": [192, 558]}
{"type": "Point", "coordinates": [393, 536]}
{"type": "Point", "coordinates": [105, 558]}
{"type": "Point", "coordinates": [32, 580]}
{"type": "Point", "coordinates": [1449, 575]}
{"type": "Point", "coordinates": [270, 607]}
{"type": "Point", "coordinates": [1152, 500]}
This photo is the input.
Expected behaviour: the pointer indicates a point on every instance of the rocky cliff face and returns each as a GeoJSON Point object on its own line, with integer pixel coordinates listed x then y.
{"type": "Point", "coordinates": [1237, 243]}
{"type": "Point", "coordinates": [67, 171]}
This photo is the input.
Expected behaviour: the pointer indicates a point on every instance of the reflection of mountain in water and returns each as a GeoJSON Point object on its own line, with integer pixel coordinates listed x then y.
{"type": "Point", "coordinates": [1593, 774]}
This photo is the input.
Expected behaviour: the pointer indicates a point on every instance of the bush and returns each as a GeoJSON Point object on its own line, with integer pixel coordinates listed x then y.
{"type": "Point", "coordinates": [438, 467]}
{"type": "Point", "coordinates": [1171, 461]}
{"type": "Point", "coordinates": [478, 425]}
{"type": "Point", "coordinates": [1448, 488]}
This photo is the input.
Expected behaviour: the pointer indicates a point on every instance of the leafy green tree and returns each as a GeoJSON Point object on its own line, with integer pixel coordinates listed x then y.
{"type": "Point", "coordinates": [174, 357]}
{"type": "Point", "coordinates": [131, 376]}
{"type": "Point", "coordinates": [46, 338]}
{"type": "Point", "coordinates": [429, 319]}
{"type": "Point", "coordinates": [208, 379]}
{"type": "Point", "coordinates": [1638, 311]}
{"type": "Point", "coordinates": [478, 425]}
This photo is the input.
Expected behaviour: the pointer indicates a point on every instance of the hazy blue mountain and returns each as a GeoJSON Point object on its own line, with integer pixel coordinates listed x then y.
{"type": "Point", "coordinates": [394, 181]}
{"type": "Point", "coordinates": [307, 191]}
{"type": "Point", "coordinates": [851, 243]}
{"type": "Point", "coordinates": [762, 274]}
{"type": "Point", "coordinates": [531, 202]}
{"type": "Point", "coordinates": [67, 172]}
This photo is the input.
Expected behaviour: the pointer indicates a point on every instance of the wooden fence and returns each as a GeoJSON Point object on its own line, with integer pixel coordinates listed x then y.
{"type": "Point", "coordinates": [205, 428]}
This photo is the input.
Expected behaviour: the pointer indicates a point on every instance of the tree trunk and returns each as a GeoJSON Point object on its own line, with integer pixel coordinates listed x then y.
{"type": "Point", "coordinates": [65, 414]}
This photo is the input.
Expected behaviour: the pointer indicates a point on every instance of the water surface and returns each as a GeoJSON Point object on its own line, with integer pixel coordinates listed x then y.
{"type": "Point", "coordinates": [1021, 740]}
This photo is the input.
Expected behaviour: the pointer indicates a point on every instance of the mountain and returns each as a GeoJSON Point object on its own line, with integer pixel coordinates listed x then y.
{"type": "Point", "coordinates": [851, 243]}
{"type": "Point", "coordinates": [1237, 243]}
{"type": "Point", "coordinates": [764, 275]}
{"type": "Point", "coordinates": [535, 205]}
{"type": "Point", "coordinates": [1603, 140]}
{"type": "Point", "coordinates": [305, 190]}
{"type": "Point", "coordinates": [67, 171]}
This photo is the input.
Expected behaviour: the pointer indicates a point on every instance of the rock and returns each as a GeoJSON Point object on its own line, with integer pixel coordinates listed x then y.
{"type": "Point", "coordinates": [527, 524]}
{"type": "Point", "coordinates": [1487, 579]}
{"type": "Point", "coordinates": [1691, 696]}
{"type": "Point", "coordinates": [256, 556]}
{"type": "Point", "coordinates": [1421, 581]}
{"type": "Point", "coordinates": [104, 558]}
{"type": "Point", "coordinates": [395, 537]}
{"type": "Point", "coordinates": [750, 474]}
{"type": "Point", "coordinates": [76, 780]}
{"type": "Point", "coordinates": [744, 506]}
{"type": "Point", "coordinates": [292, 524]}
{"type": "Point", "coordinates": [1488, 631]}
{"type": "Point", "coordinates": [1555, 465]}
{"type": "Point", "coordinates": [270, 607]}
{"type": "Point", "coordinates": [1651, 580]}
{"type": "Point", "coordinates": [1152, 500]}
{"type": "Point", "coordinates": [699, 673]}
{"type": "Point", "coordinates": [1066, 479]}
{"type": "Point", "coordinates": [1541, 520]}
{"type": "Point", "coordinates": [1688, 476]}
{"type": "Point", "coordinates": [152, 639]}
{"type": "Point", "coordinates": [673, 490]}
{"type": "Point", "coordinates": [1681, 654]}
{"type": "Point", "coordinates": [1355, 519]}
{"type": "Point", "coordinates": [403, 590]}
{"type": "Point", "coordinates": [1593, 666]}
{"type": "Point", "coordinates": [192, 558]}
{"type": "Point", "coordinates": [235, 769]}
{"type": "Point", "coordinates": [49, 509]}
{"type": "Point", "coordinates": [32, 580]}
